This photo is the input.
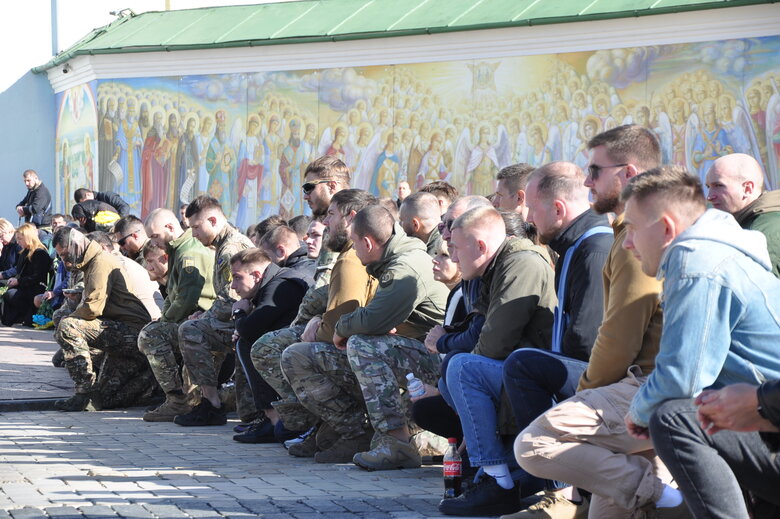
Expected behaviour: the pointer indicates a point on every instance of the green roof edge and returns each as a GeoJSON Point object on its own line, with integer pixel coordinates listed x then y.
{"type": "Point", "coordinates": [75, 50]}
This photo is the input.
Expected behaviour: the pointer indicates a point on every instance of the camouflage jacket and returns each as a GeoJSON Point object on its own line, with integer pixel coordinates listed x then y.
{"type": "Point", "coordinates": [228, 242]}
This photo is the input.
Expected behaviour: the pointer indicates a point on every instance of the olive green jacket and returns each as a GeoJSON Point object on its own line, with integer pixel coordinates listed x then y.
{"type": "Point", "coordinates": [190, 278]}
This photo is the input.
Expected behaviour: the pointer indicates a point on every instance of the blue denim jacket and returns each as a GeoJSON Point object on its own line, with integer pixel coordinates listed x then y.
{"type": "Point", "coordinates": [721, 307]}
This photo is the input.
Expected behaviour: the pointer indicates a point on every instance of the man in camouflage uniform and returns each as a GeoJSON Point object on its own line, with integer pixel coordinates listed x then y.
{"type": "Point", "coordinates": [207, 337]}
{"type": "Point", "coordinates": [408, 302]}
{"type": "Point", "coordinates": [190, 289]}
{"type": "Point", "coordinates": [106, 323]}
{"type": "Point", "coordinates": [350, 288]}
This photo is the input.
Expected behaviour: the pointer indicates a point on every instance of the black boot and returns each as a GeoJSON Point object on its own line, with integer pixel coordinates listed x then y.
{"type": "Point", "coordinates": [77, 402]}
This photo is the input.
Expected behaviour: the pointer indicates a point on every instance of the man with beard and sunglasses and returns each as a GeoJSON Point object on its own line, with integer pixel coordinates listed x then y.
{"type": "Point", "coordinates": [350, 287]}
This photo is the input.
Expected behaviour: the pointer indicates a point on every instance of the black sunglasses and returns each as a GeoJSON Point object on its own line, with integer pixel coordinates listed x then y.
{"type": "Point", "coordinates": [445, 224]}
{"type": "Point", "coordinates": [595, 170]}
{"type": "Point", "coordinates": [121, 241]}
{"type": "Point", "coordinates": [308, 187]}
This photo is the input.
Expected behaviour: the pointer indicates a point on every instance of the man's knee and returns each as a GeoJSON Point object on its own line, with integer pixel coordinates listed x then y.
{"type": "Point", "coordinates": [533, 449]}
{"type": "Point", "coordinates": [672, 415]}
{"type": "Point", "coordinates": [361, 347]}
{"type": "Point", "coordinates": [297, 359]}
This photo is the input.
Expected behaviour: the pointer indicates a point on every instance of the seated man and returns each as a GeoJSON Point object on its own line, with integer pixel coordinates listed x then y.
{"type": "Point", "coordinates": [108, 197]}
{"type": "Point", "coordinates": [419, 217]}
{"type": "Point", "coordinates": [207, 337]}
{"type": "Point", "coordinates": [314, 236]}
{"type": "Point", "coordinates": [270, 296]}
{"type": "Point", "coordinates": [622, 357]}
{"type": "Point", "coordinates": [517, 299]}
{"type": "Point", "coordinates": [409, 302]}
{"type": "Point", "coordinates": [156, 259]}
{"type": "Point", "coordinates": [735, 184]}
{"type": "Point", "coordinates": [190, 289]}
{"type": "Point", "coordinates": [350, 288]}
{"type": "Point", "coordinates": [720, 327]}
{"type": "Point", "coordinates": [106, 323]}
{"type": "Point", "coordinates": [710, 468]}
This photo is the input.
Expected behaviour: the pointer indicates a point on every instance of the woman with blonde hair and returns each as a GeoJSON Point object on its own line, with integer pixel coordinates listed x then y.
{"type": "Point", "coordinates": [32, 271]}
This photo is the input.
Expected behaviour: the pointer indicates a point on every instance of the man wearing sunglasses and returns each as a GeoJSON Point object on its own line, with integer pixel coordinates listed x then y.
{"type": "Point", "coordinates": [131, 237]}
{"type": "Point", "coordinates": [323, 178]}
{"type": "Point", "coordinates": [622, 357]}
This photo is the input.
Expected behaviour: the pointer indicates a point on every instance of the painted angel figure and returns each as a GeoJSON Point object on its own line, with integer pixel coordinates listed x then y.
{"type": "Point", "coordinates": [705, 142]}
{"type": "Point", "coordinates": [476, 166]}
{"type": "Point", "coordinates": [432, 167]}
{"type": "Point", "coordinates": [734, 118]}
{"type": "Point", "coordinates": [335, 141]}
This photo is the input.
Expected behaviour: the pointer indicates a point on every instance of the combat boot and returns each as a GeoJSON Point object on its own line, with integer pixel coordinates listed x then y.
{"type": "Point", "coordinates": [343, 450]}
{"type": "Point", "coordinates": [76, 403]}
{"type": "Point", "coordinates": [389, 453]}
{"type": "Point", "coordinates": [167, 411]}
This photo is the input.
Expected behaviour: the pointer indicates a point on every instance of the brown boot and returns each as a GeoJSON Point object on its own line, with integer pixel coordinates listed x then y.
{"type": "Point", "coordinates": [343, 450]}
{"type": "Point", "coordinates": [173, 405]}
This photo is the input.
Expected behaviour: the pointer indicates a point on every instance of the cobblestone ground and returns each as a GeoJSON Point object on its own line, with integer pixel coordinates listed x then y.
{"type": "Point", "coordinates": [112, 464]}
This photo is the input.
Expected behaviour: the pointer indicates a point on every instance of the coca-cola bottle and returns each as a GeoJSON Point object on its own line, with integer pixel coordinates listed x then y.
{"type": "Point", "coordinates": [453, 470]}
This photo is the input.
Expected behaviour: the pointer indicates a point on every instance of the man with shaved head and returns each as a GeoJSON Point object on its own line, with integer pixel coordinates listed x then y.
{"type": "Point", "coordinates": [419, 217]}
{"type": "Point", "coordinates": [735, 184]}
{"type": "Point", "coordinates": [517, 300]}
{"type": "Point", "coordinates": [190, 289]}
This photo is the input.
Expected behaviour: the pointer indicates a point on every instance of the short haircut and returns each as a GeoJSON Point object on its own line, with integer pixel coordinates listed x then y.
{"type": "Point", "coordinates": [630, 144]}
{"type": "Point", "coordinates": [277, 236]}
{"type": "Point", "coordinates": [516, 176]}
{"type": "Point", "coordinates": [126, 223]}
{"type": "Point", "coordinates": [80, 194]}
{"type": "Point", "coordinates": [477, 215]}
{"type": "Point", "coordinates": [348, 200]}
{"type": "Point", "coordinates": [300, 224]}
{"type": "Point", "coordinates": [61, 237]}
{"type": "Point", "coordinates": [59, 215]}
{"type": "Point", "coordinates": [441, 188]}
{"type": "Point", "coordinates": [269, 224]}
{"type": "Point", "coordinates": [424, 206]}
{"type": "Point", "coordinates": [389, 204]}
{"type": "Point", "coordinates": [374, 221]}
{"type": "Point", "coordinates": [328, 167]}
{"type": "Point", "coordinates": [472, 201]}
{"type": "Point", "coordinates": [251, 256]}
{"type": "Point", "coordinates": [29, 173]}
{"type": "Point", "coordinates": [678, 188]}
{"type": "Point", "coordinates": [202, 203]}
{"type": "Point", "coordinates": [152, 247]}
{"type": "Point", "coordinates": [183, 206]}
{"type": "Point", "coordinates": [102, 238]}
{"type": "Point", "coordinates": [563, 180]}
{"type": "Point", "coordinates": [516, 226]}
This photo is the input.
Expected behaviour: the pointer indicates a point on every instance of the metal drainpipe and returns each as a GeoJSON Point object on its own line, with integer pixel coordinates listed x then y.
{"type": "Point", "coordinates": [54, 33]}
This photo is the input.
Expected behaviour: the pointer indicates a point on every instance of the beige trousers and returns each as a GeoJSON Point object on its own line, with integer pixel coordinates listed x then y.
{"type": "Point", "coordinates": [583, 441]}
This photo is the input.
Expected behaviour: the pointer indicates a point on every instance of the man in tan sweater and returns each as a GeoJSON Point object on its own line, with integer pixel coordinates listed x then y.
{"type": "Point", "coordinates": [583, 441]}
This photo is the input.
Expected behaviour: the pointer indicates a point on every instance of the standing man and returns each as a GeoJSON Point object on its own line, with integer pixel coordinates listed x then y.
{"type": "Point", "coordinates": [403, 191]}
{"type": "Point", "coordinates": [190, 289]}
{"type": "Point", "coordinates": [735, 184]}
{"type": "Point", "coordinates": [108, 318]}
{"type": "Point", "coordinates": [35, 207]}
{"type": "Point", "coordinates": [209, 334]}
{"type": "Point", "coordinates": [108, 197]}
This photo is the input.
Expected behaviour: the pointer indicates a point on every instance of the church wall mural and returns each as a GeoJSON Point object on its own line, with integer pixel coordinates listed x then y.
{"type": "Point", "coordinates": [246, 138]}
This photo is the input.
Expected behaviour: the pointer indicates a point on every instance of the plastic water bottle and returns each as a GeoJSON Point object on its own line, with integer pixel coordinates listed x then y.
{"type": "Point", "coordinates": [414, 385]}
{"type": "Point", "coordinates": [453, 470]}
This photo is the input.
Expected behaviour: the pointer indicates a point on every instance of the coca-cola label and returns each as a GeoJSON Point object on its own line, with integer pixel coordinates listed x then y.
{"type": "Point", "coordinates": [452, 468]}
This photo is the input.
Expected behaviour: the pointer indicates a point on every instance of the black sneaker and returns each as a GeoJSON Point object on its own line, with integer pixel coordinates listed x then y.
{"type": "Point", "coordinates": [262, 432]}
{"type": "Point", "coordinates": [202, 414]}
{"type": "Point", "coordinates": [485, 498]}
{"type": "Point", "coordinates": [282, 433]}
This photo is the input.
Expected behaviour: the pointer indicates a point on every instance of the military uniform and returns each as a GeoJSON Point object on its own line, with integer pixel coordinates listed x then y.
{"type": "Point", "coordinates": [190, 288]}
{"type": "Point", "coordinates": [205, 341]}
{"type": "Point", "coordinates": [110, 324]}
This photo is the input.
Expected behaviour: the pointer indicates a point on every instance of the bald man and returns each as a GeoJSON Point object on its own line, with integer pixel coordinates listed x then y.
{"type": "Point", "coordinates": [419, 217]}
{"type": "Point", "coordinates": [190, 289]}
{"type": "Point", "coordinates": [517, 301]}
{"type": "Point", "coordinates": [735, 184]}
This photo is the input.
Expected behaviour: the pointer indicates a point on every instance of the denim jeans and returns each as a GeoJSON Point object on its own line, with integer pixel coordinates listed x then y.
{"type": "Point", "coordinates": [535, 380]}
{"type": "Point", "coordinates": [710, 469]}
{"type": "Point", "coordinates": [473, 389]}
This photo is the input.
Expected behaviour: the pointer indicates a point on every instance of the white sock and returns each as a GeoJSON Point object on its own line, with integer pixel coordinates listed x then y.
{"type": "Point", "coordinates": [670, 498]}
{"type": "Point", "coordinates": [501, 474]}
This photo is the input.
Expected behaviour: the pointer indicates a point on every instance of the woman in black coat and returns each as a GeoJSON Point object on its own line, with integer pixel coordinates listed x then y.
{"type": "Point", "coordinates": [32, 272]}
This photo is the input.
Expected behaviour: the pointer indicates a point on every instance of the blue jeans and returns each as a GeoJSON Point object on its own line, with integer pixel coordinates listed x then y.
{"type": "Point", "coordinates": [536, 380]}
{"type": "Point", "coordinates": [711, 468]}
{"type": "Point", "coordinates": [473, 389]}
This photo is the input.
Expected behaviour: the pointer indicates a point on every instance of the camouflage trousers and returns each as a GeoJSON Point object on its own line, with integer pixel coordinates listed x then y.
{"type": "Point", "coordinates": [204, 344]}
{"type": "Point", "coordinates": [159, 341]}
{"type": "Point", "coordinates": [76, 336]}
{"type": "Point", "coordinates": [323, 381]}
{"type": "Point", "coordinates": [267, 354]}
{"type": "Point", "coordinates": [381, 363]}
{"type": "Point", "coordinates": [63, 311]}
{"type": "Point", "coordinates": [121, 381]}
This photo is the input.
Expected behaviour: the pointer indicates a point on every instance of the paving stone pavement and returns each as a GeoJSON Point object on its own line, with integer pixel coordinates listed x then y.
{"type": "Point", "coordinates": [112, 464]}
{"type": "Point", "coordinates": [26, 372]}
